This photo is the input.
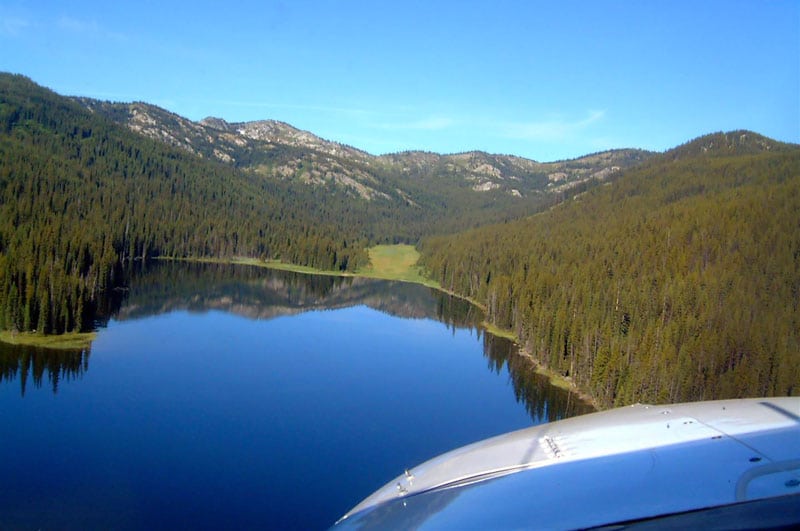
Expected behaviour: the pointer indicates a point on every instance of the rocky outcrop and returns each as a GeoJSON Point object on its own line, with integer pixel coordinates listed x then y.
{"type": "Point", "coordinates": [277, 150]}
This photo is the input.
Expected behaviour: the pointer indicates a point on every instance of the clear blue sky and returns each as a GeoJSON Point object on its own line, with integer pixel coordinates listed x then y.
{"type": "Point", "coordinates": [544, 80]}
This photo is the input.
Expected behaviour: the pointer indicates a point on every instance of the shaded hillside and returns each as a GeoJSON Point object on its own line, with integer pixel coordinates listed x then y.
{"type": "Point", "coordinates": [80, 196]}
{"type": "Point", "coordinates": [679, 281]}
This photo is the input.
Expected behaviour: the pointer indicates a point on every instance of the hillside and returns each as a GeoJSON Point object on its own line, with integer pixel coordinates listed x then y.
{"type": "Point", "coordinates": [679, 281]}
{"type": "Point", "coordinates": [399, 197]}
{"type": "Point", "coordinates": [80, 197]}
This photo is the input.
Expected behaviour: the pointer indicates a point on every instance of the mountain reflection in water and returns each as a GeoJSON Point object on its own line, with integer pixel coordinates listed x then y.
{"type": "Point", "coordinates": [223, 397]}
{"type": "Point", "coordinates": [258, 293]}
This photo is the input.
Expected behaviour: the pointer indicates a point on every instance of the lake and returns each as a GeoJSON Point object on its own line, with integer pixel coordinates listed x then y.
{"type": "Point", "coordinates": [238, 397]}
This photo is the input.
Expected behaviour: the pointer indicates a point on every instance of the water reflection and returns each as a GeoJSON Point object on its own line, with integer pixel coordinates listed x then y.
{"type": "Point", "coordinates": [194, 416]}
{"type": "Point", "coordinates": [257, 293]}
{"type": "Point", "coordinates": [544, 401]}
{"type": "Point", "coordinates": [23, 363]}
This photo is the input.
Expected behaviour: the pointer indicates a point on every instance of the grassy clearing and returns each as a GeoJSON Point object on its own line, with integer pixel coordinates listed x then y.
{"type": "Point", "coordinates": [68, 341]}
{"type": "Point", "coordinates": [395, 262]}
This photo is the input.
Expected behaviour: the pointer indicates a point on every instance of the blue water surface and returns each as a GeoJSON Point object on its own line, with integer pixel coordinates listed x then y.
{"type": "Point", "coordinates": [211, 420]}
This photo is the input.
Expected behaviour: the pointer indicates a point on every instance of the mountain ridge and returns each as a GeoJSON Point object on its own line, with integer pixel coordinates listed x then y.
{"type": "Point", "coordinates": [276, 149]}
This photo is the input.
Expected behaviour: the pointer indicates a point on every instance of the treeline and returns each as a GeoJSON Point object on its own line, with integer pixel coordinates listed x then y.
{"type": "Point", "coordinates": [679, 282]}
{"type": "Point", "coordinates": [81, 197]}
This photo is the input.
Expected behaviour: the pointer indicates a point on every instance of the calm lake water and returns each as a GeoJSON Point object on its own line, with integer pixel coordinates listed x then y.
{"type": "Point", "coordinates": [221, 397]}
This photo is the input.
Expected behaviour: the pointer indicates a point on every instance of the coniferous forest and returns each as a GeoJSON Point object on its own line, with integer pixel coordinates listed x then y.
{"type": "Point", "coordinates": [678, 279]}
{"type": "Point", "coordinates": [81, 197]}
{"type": "Point", "coordinates": [678, 282]}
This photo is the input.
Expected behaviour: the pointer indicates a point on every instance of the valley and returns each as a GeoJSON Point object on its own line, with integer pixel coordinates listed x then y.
{"type": "Point", "coordinates": [615, 270]}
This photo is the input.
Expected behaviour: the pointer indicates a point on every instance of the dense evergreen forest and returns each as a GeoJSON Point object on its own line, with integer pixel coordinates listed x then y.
{"type": "Point", "coordinates": [80, 197]}
{"type": "Point", "coordinates": [678, 282]}
{"type": "Point", "coordinates": [679, 279]}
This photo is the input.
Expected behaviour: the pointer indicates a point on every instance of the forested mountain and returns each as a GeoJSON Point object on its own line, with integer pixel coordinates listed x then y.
{"type": "Point", "coordinates": [400, 197]}
{"type": "Point", "coordinates": [679, 281]}
{"type": "Point", "coordinates": [87, 186]}
{"type": "Point", "coordinates": [80, 196]}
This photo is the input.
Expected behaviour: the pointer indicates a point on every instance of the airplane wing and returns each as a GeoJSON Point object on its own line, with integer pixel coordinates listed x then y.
{"type": "Point", "coordinates": [727, 464]}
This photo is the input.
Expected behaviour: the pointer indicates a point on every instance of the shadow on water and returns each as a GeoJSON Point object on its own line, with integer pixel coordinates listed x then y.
{"type": "Point", "coordinates": [256, 293]}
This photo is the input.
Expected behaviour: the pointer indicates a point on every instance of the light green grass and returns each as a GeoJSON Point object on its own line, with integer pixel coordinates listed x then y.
{"type": "Point", "coordinates": [500, 332]}
{"type": "Point", "coordinates": [395, 262]}
{"type": "Point", "coordinates": [68, 341]}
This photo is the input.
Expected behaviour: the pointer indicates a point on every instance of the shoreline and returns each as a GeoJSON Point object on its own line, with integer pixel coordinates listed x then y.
{"type": "Point", "coordinates": [66, 341]}
{"type": "Point", "coordinates": [562, 382]}
{"type": "Point", "coordinates": [381, 254]}
{"type": "Point", "coordinates": [554, 378]}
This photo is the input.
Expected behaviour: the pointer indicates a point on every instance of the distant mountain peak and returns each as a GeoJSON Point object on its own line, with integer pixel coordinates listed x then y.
{"type": "Point", "coordinates": [721, 144]}
{"type": "Point", "coordinates": [271, 130]}
{"type": "Point", "coordinates": [216, 123]}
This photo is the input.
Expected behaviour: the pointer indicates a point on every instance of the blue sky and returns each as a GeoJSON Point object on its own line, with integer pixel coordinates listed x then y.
{"type": "Point", "coordinates": [543, 80]}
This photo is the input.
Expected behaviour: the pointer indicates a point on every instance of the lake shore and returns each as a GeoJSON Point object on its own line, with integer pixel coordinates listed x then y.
{"type": "Point", "coordinates": [68, 341]}
{"type": "Point", "coordinates": [387, 262]}
{"type": "Point", "coordinates": [399, 263]}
